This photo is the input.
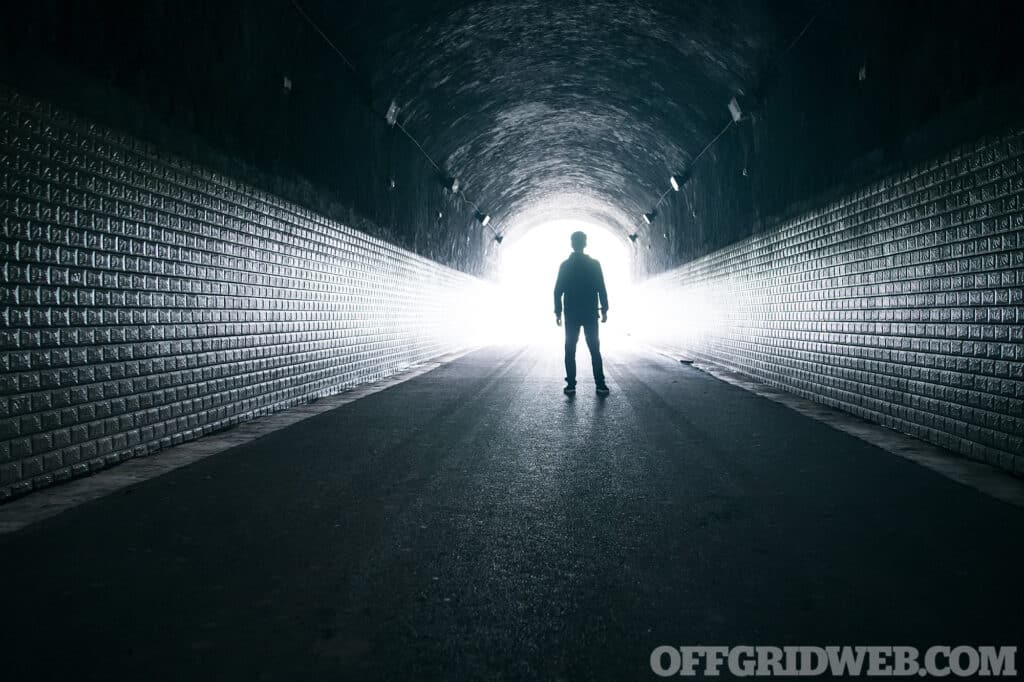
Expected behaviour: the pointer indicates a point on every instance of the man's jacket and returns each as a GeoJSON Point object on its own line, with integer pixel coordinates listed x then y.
{"type": "Point", "coordinates": [581, 283]}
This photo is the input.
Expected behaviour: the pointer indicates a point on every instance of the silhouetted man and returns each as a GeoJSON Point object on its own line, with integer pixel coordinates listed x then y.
{"type": "Point", "coordinates": [581, 282]}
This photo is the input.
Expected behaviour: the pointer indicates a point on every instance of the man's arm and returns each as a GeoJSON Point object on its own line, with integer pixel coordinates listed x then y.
{"type": "Point", "coordinates": [602, 293]}
{"type": "Point", "coordinates": [559, 290]}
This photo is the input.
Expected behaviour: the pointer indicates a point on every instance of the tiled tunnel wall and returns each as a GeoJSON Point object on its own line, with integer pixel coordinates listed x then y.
{"type": "Point", "coordinates": [902, 303]}
{"type": "Point", "coordinates": [147, 301]}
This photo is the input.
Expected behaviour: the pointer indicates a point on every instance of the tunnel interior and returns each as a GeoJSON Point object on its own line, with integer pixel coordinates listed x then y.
{"type": "Point", "coordinates": [287, 392]}
{"type": "Point", "coordinates": [801, 190]}
{"type": "Point", "coordinates": [311, 170]}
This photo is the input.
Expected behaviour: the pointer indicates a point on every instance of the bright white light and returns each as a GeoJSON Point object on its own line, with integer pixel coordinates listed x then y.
{"type": "Point", "coordinates": [683, 316]}
{"type": "Point", "coordinates": [529, 266]}
{"type": "Point", "coordinates": [674, 182]}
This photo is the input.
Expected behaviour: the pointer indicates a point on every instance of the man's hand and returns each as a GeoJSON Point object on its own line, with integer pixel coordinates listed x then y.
{"type": "Point", "coordinates": [558, 320]}
{"type": "Point", "coordinates": [604, 316]}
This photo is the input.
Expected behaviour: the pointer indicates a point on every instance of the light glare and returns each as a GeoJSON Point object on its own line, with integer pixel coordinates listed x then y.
{"type": "Point", "coordinates": [529, 267]}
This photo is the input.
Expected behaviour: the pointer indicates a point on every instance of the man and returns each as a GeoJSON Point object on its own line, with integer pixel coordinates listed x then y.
{"type": "Point", "coordinates": [581, 282]}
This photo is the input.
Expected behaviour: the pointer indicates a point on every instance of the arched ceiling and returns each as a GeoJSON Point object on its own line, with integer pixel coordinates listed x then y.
{"type": "Point", "coordinates": [545, 107]}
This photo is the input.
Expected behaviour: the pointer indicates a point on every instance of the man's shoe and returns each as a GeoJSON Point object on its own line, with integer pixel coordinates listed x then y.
{"type": "Point", "coordinates": [602, 389]}
{"type": "Point", "coordinates": [569, 390]}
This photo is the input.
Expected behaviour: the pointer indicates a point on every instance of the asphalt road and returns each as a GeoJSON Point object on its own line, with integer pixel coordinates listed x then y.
{"type": "Point", "coordinates": [474, 523]}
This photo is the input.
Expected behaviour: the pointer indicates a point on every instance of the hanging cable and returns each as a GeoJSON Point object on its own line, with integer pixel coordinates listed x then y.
{"type": "Point", "coordinates": [736, 116]}
{"type": "Point", "coordinates": [708, 146]}
{"type": "Point", "coordinates": [323, 35]}
{"type": "Point", "coordinates": [800, 35]}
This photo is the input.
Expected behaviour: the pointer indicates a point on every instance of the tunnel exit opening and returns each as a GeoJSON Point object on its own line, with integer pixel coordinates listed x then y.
{"type": "Point", "coordinates": [526, 278]}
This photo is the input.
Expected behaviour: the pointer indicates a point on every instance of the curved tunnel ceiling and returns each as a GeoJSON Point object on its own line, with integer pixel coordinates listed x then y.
{"type": "Point", "coordinates": [545, 108]}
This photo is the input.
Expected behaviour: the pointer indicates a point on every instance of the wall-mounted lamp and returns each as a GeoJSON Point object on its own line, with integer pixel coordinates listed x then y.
{"type": "Point", "coordinates": [392, 114]}
{"type": "Point", "coordinates": [484, 219]}
{"type": "Point", "coordinates": [499, 238]}
{"type": "Point", "coordinates": [677, 181]}
{"type": "Point", "coordinates": [633, 237]}
{"type": "Point", "coordinates": [649, 217]}
{"type": "Point", "coordinates": [735, 111]}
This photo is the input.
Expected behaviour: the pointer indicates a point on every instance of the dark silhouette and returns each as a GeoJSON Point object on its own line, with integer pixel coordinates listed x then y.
{"type": "Point", "coordinates": [581, 283]}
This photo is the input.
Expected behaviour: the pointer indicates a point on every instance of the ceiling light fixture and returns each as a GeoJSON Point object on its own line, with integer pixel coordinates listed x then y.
{"type": "Point", "coordinates": [678, 180]}
{"type": "Point", "coordinates": [649, 216]}
{"type": "Point", "coordinates": [735, 111]}
{"type": "Point", "coordinates": [484, 219]}
{"type": "Point", "coordinates": [392, 114]}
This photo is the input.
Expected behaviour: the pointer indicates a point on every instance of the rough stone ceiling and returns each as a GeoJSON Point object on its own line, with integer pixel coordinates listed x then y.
{"type": "Point", "coordinates": [543, 108]}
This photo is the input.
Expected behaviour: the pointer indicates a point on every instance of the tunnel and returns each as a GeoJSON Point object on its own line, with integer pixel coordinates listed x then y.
{"type": "Point", "coordinates": [292, 292]}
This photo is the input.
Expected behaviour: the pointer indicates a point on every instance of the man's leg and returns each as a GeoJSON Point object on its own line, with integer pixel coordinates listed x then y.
{"type": "Point", "coordinates": [590, 332]}
{"type": "Point", "coordinates": [572, 337]}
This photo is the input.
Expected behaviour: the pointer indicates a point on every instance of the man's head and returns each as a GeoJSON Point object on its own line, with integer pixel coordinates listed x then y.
{"type": "Point", "coordinates": [579, 241]}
